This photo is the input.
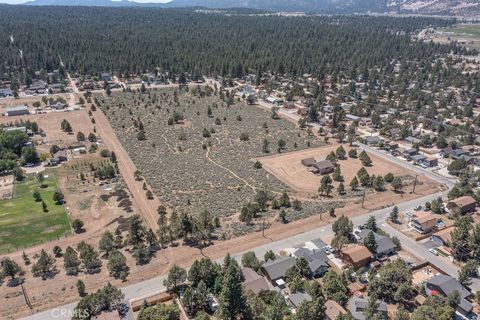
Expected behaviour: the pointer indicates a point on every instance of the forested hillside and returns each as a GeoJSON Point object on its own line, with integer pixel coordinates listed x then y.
{"type": "Point", "coordinates": [130, 40]}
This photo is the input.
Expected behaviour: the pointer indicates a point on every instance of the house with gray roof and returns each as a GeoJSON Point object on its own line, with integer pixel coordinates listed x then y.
{"type": "Point", "coordinates": [357, 307]}
{"type": "Point", "coordinates": [385, 245]}
{"type": "Point", "coordinates": [317, 260]}
{"type": "Point", "coordinates": [373, 140]}
{"type": "Point", "coordinates": [276, 269]}
{"type": "Point", "coordinates": [297, 298]}
{"type": "Point", "coordinates": [446, 285]}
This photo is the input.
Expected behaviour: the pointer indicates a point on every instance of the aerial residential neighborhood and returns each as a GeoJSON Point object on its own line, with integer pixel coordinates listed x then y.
{"type": "Point", "coordinates": [167, 161]}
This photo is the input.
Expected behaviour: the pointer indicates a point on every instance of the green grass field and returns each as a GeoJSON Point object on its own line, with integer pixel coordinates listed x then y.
{"type": "Point", "coordinates": [23, 221]}
{"type": "Point", "coordinates": [466, 31]}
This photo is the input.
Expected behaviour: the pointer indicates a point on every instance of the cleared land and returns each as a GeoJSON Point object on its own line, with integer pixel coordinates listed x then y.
{"type": "Point", "coordinates": [289, 169]}
{"type": "Point", "coordinates": [465, 34]}
{"type": "Point", "coordinates": [22, 219]}
{"type": "Point", "coordinates": [50, 123]}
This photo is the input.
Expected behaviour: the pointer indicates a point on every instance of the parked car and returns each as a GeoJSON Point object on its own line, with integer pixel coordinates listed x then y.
{"type": "Point", "coordinates": [417, 208]}
{"type": "Point", "coordinates": [328, 249]}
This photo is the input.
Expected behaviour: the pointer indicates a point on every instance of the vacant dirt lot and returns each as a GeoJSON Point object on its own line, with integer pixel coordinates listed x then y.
{"type": "Point", "coordinates": [289, 169]}
{"type": "Point", "coordinates": [50, 123]}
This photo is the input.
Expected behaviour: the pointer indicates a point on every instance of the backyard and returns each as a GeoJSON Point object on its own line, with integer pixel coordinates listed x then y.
{"type": "Point", "coordinates": [23, 221]}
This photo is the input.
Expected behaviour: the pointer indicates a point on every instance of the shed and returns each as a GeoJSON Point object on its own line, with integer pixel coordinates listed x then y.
{"type": "Point", "coordinates": [17, 111]}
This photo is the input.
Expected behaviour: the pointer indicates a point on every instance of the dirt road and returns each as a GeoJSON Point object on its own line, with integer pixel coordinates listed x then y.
{"type": "Point", "coordinates": [147, 208]}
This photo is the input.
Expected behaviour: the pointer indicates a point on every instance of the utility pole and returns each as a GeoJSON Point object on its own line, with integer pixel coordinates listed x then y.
{"type": "Point", "coordinates": [263, 227]}
{"type": "Point", "coordinates": [414, 183]}
{"type": "Point", "coordinates": [363, 198]}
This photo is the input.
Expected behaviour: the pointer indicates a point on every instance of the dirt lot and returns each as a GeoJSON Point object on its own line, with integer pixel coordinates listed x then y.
{"type": "Point", "coordinates": [50, 123]}
{"type": "Point", "coordinates": [6, 186]}
{"type": "Point", "coordinates": [11, 102]}
{"type": "Point", "coordinates": [289, 169]}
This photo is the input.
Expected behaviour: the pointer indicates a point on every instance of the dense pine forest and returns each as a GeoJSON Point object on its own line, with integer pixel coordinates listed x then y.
{"type": "Point", "coordinates": [131, 41]}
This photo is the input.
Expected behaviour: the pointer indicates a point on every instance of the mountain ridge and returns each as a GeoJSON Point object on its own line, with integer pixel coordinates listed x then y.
{"type": "Point", "coordinates": [467, 8]}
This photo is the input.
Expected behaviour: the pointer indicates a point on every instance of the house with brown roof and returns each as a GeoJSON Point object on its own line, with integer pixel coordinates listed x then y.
{"type": "Point", "coordinates": [254, 281]}
{"type": "Point", "coordinates": [443, 237]}
{"type": "Point", "coordinates": [356, 256]}
{"type": "Point", "coordinates": [424, 222]}
{"type": "Point", "coordinates": [462, 205]}
{"type": "Point", "coordinates": [333, 310]}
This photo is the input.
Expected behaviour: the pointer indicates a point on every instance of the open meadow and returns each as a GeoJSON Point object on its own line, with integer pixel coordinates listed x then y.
{"type": "Point", "coordinates": [23, 222]}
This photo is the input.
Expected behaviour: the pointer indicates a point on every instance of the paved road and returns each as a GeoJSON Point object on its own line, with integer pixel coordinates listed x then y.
{"type": "Point", "coordinates": [154, 285]}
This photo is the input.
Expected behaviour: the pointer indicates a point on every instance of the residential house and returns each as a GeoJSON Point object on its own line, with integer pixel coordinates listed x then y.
{"type": "Point", "coordinates": [409, 153]}
{"type": "Point", "coordinates": [297, 298]}
{"type": "Point", "coordinates": [254, 281]}
{"type": "Point", "coordinates": [443, 237]}
{"type": "Point", "coordinates": [357, 307]}
{"type": "Point", "coordinates": [289, 105]}
{"type": "Point", "coordinates": [412, 140]}
{"type": "Point", "coordinates": [418, 158]}
{"type": "Point", "coordinates": [17, 111]}
{"type": "Point", "coordinates": [303, 111]}
{"type": "Point", "coordinates": [373, 140]}
{"type": "Point", "coordinates": [385, 245]}
{"type": "Point", "coordinates": [357, 256]}
{"type": "Point", "coordinates": [275, 270]}
{"type": "Point", "coordinates": [431, 162]}
{"type": "Point", "coordinates": [457, 153]}
{"type": "Point", "coordinates": [395, 133]}
{"type": "Point", "coordinates": [324, 167]}
{"type": "Point", "coordinates": [105, 76]}
{"type": "Point", "coordinates": [462, 205]}
{"type": "Point", "coordinates": [424, 222]}
{"type": "Point", "coordinates": [58, 105]}
{"type": "Point", "coordinates": [333, 310]}
{"type": "Point", "coordinates": [445, 285]}
{"type": "Point", "coordinates": [351, 117]}
{"type": "Point", "coordinates": [317, 260]}
{"type": "Point", "coordinates": [446, 152]}
{"type": "Point", "coordinates": [59, 157]}
{"type": "Point", "coordinates": [6, 92]}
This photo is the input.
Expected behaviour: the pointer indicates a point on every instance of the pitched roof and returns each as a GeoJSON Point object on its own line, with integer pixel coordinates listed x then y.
{"type": "Point", "coordinates": [298, 297]}
{"type": "Point", "coordinates": [324, 164]}
{"type": "Point", "coordinates": [384, 244]}
{"type": "Point", "coordinates": [357, 253]}
{"type": "Point", "coordinates": [333, 309]}
{"type": "Point", "coordinates": [277, 268]}
{"type": "Point", "coordinates": [464, 201]}
{"type": "Point", "coordinates": [444, 234]}
{"type": "Point", "coordinates": [254, 281]}
{"type": "Point", "coordinates": [447, 285]}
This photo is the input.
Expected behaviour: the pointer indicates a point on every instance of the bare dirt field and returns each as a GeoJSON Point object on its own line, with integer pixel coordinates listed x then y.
{"type": "Point", "coordinates": [6, 186]}
{"type": "Point", "coordinates": [289, 169]}
{"type": "Point", "coordinates": [50, 123]}
{"type": "Point", "coordinates": [11, 102]}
